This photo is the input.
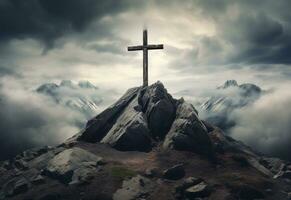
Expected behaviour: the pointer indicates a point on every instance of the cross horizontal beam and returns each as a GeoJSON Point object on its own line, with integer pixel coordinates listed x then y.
{"type": "Point", "coordinates": [149, 47]}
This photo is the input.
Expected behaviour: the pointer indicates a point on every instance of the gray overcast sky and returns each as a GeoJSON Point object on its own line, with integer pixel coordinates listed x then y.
{"type": "Point", "coordinates": [206, 42]}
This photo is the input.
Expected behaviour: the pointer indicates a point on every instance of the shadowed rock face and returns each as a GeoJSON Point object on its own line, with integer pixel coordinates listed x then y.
{"type": "Point", "coordinates": [147, 115]}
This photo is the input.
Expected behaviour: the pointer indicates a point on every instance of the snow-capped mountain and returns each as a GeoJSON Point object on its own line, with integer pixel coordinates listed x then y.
{"type": "Point", "coordinates": [227, 98]}
{"type": "Point", "coordinates": [82, 96]}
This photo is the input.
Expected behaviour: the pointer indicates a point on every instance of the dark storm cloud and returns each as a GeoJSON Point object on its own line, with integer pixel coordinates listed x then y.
{"type": "Point", "coordinates": [47, 20]}
{"type": "Point", "coordinates": [257, 34]}
{"type": "Point", "coordinates": [245, 33]}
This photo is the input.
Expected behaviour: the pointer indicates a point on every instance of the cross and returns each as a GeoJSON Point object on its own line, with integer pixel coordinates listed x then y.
{"type": "Point", "coordinates": [145, 47]}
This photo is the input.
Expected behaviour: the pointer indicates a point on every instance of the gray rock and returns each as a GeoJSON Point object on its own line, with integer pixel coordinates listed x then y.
{"type": "Point", "coordinates": [37, 180]}
{"type": "Point", "coordinates": [83, 175]}
{"type": "Point", "coordinates": [16, 186]}
{"type": "Point", "coordinates": [137, 187]}
{"type": "Point", "coordinates": [151, 172]}
{"type": "Point", "coordinates": [188, 132]}
{"type": "Point", "coordinates": [159, 107]}
{"type": "Point", "coordinates": [98, 127]}
{"type": "Point", "coordinates": [130, 132]}
{"type": "Point", "coordinates": [283, 174]}
{"type": "Point", "coordinates": [196, 191]}
{"type": "Point", "coordinates": [64, 164]}
{"type": "Point", "coordinates": [174, 173]}
{"type": "Point", "coordinates": [21, 164]}
{"type": "Point", "coordinates": [21, 186]}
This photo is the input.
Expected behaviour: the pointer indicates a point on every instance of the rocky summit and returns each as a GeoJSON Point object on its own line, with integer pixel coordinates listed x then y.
{"type": "Point", "coordinates": [146, 117]}
{"type": "Point", "coordinates": [146, 146]}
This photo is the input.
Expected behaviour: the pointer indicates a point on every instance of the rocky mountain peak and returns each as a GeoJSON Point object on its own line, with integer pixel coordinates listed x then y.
{"type": "Point", "coordinates": [146, 116]}
{"type": "Point", "coordinates": [229, 83]}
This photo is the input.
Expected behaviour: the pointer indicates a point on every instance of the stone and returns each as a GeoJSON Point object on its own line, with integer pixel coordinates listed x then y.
{"type": "Point", "coordinates": [98, 127]}
{"type": "Point", "coordinates": [159, 107]}
{"type": "Point", "coordinates": [130, 132]}
{"type": "Point", "coordinates": [63, 165]}
{"type": "Point", "coordinates": [21, 164]}
{"type": "Point", "coordinates": [188, 133]}
{"type": "Point", "coordinates": [174, 173]}
{"type": "Point", "coordinates": [197, 191]}
{"type": "Point", "coordinates": [283, 174]}
{"type": "Point", "coordinates": [151, 172]}
{"type": "Point", "coordinates": [37, 180]}
{"type": "Point", "coordinates": [16, 186]}
{"type": "Point", "coordinates": [138, 187]}
{"type": "Point", "coordinates": [188, 182]}
{"type": "Point", "coordinates": [83, 175]}
{"type": "Point", "coordinates": [21, 186]}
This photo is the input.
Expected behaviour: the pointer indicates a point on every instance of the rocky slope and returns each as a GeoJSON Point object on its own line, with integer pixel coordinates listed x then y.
{"type": "Point", "coordinates": [227, 98]}
{"type": "Point", "coordinates": [147, 145]}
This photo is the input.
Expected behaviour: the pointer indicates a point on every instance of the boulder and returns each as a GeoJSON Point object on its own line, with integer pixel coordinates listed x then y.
{"type": "Point", "coordinates": [174, 173]}
{"type": "Point", "coordinates": [197, 191]}
{"type": "Point", "coordinates": [137, 187]}
{"type": "Point", "coordinates": [130, 131]}
{"type": "Point", "coordinates": [159, 107]}
{"type": "Point", "coordinates": [98, 127]}
{"type": "Point", "coordinates": [188, 132]}
{"type": "Point", "coordinates": [16, 186]}
{"type": "Point", "coordinates": [84, 174]}
{"type": "Point", "coordinates": [38, 179]}
{"type": "Point", "coordinates": [151, 172]}
{"type": "Point", "coordinates": [64, 164]}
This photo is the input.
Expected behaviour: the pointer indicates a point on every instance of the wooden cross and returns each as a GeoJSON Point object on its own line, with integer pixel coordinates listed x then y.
{"type": "Point", "coordinates": [145, 47]}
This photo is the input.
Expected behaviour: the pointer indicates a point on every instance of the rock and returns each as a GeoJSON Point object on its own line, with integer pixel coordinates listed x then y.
{"type": "Point", "coordinates": [7, 165]}
{"type": "Point", "coordinates": [197, 191]}
{"type": "Point", "coordinates": [20, 164]}
{"type": "Point", "coordinates": [37, 180]}
{"type": "Point", "coordinates": [188, 182]}
{"type": "Point", "coordinates": [283, 174]}
{"type": "Point", "coordinates": [137, 187]}
{"type": "Point", "coordinates": [174, 173]}
{"type": "Point", "coordinates": [130, 132]}
{"type": "Point", "coordinates": [275, 165]}
{"type": "Point", "coordinates": [159, 107]}
{"type": "Point", "coordinates": [151, 172]}
{"type": "Point", "coordinates": [21, 186]}
{"type": "Point", "coordinates": [15, 187]}
{"type": "Point", "coordinates": [188, 132]}
{"type": "Point", "coordinates": [29, 155]}
{"type": "Point", "coordinates": [63, 165]}
{"type": "Point", "coordinates": [83, 175]}
{"type": "Point", "coordinates": [98, 127]}
{"type": "Point", "coordinates": [289, 196]}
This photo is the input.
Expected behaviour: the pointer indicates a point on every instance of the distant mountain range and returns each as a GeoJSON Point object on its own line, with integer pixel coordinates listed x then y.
{"type": "Point", "coordinates": [82, 96]}
{"type": "Point", "coordinates": [227, 98]}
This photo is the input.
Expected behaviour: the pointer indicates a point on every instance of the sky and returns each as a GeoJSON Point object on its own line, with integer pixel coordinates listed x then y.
{"type": "Point", "coordinates": [205, 43]}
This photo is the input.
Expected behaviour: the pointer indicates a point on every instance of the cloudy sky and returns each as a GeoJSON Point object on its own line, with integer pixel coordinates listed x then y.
{"type": "Point", "coordinates": [206, 42]}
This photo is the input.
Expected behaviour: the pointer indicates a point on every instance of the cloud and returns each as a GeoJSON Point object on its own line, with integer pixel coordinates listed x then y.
{"type": "Point", "coordinates": [265, 125]}
{"type": "Point", "coordinates": [28, 120]}
{"type": "Point", "coordinates": [48, 20]}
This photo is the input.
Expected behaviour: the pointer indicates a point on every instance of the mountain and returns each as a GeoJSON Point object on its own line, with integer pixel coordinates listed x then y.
{"type": "Point", "coordinates": [81, 97]}
{"type": "Point", "coordinates": [147, 145]}
{"type": "Point", "coordinates": [227, 98]}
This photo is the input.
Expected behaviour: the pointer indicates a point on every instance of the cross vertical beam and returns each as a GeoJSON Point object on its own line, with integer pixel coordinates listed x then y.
{"type": "Point", "coordinates": [145, 58]}
{"type": "Point", "coordinates": [145, 47]}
